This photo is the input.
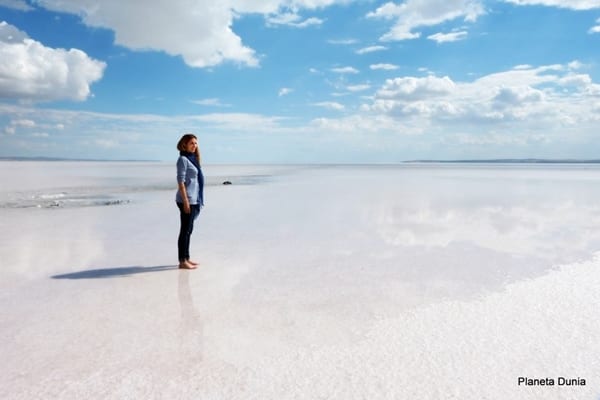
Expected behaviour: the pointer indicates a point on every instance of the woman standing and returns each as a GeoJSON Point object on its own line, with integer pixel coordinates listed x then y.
{"type": "Point", "coordinates": [189, 197]}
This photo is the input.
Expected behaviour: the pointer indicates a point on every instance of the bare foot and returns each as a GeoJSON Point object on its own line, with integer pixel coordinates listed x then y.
{"type": "Point", "coordinates": [186, 265]}
{"type": "Point", "coordinates": [192, 262]}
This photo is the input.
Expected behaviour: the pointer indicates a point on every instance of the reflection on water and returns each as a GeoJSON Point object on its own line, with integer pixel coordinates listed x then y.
{"type": "Point", "coordinates": [52, 185]}
{"type": "Point", "coordinates": [537, 214]}
{"type": "Point", "coordinates": [191, 328]}
{"type": "Point", "coordinates": [354, 242]}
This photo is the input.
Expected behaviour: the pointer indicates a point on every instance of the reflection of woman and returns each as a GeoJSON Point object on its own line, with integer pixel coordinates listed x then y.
{"type": "Point", "coordinates": [191, 334]}
{"type": "Point", "coordinates": [189, 197]}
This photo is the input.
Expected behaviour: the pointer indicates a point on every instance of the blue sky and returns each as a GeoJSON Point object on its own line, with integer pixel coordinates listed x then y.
{"type": "Point", "coordinates": [326, 81]}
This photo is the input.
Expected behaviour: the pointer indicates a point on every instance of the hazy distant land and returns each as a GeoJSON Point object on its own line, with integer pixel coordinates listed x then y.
{"type": "Point", "coordinates": [18, 158]}
{"type": "Point", "coordinates": [465, 161]}
{"type": "Point", "coordinates": [512, 161]}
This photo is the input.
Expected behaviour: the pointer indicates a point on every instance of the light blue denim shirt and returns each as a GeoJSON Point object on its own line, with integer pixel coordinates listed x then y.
{"type": "Point", "coordinates": [188, 174]}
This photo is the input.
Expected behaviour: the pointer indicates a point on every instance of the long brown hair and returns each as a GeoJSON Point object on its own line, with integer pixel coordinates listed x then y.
{"type": "Point", "coordinates": [183, 142]}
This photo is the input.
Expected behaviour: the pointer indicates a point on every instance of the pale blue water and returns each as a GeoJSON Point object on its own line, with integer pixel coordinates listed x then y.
{"type": "Point", "coordinates": [66, 184]}
{"type": "Point", "coordinates": [346, 282]}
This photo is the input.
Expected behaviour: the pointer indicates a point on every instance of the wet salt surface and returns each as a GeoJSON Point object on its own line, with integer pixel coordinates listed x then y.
{"type": "Point", "coordinates": [316, 282]}
{"type": "Point", "coordinates": [84, 184]}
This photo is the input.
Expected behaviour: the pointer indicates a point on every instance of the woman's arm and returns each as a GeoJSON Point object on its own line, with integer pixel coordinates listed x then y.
{"type": "Point", "coordinates": [186, 201]}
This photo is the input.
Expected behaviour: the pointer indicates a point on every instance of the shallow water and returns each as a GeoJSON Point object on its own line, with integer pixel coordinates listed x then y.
{"type": "Point", "coordinates": [410, 281]}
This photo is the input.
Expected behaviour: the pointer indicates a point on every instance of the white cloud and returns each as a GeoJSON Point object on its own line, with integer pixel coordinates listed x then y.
{"type": "Point", "coordinates": [416, 88]}
{"type": "Point", "coordinates": [293, 20]}
{"type": "Point", "coordinates": [516, 96]}
{"type": "Point", "coordinates": [25, 123]}
{"type": "Point", "coordinates": [517, 111]}
{"type": "Point", "coordinates": [448, 37]}
{"type": "Point", "coordinates": [574, 65]}
{"type": "Point", "coordinates": [570, 4]}
{"type": "Point", "coordinates": [345, 70]}
{"type": "Point", "coordinates": [370, 49]}
{"type": "Point", "coordinates": [285, 91]}
{"type": "Point", "coordinates": [309, 22]}
{"type": "Point", "coordinates": [331, 105]}
{"type": "Point", "coordinates": [386, 67]}
{"type": "Point", "coordinates": [342, 41]}
{"type": "Point", "coordinates": [413, 14]}
{"type": "Point", "coordinates": [25, 126]}
{"type": "Point", "coordinates": [198, 31]}
{"type": "Point", "coordinates": [358, 88]}
{"type": "Point", "coordinates": [535, 99]}
{"type": "Point", "coordinates": [279, 6]}
{"type": "Point", "coordinates": [575, 80]}
{"type": "Point", "coordinates": [10, 34]}
{"type": "Point", "coordinates": [212, 102]}
{"type": "Point", "coordinates": [31, 71]}
{"type": "Point", "coordinates": [237, 121]}
{"type": "Point", "coordinates": [523, 66]}
{"type": "Point", "coordinates": [371, 124]}
{"type": "Point", "coordinates": [21, 5]}
{"type": "Point", "coordinates": [595, 29]}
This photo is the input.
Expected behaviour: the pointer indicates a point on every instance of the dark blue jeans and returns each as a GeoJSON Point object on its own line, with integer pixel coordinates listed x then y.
{"type": "Point", "coordinates": [185, 232]}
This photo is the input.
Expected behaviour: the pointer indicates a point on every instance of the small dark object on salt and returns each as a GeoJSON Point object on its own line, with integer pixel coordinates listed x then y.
{"type": "Point", "coordinates": [227, 183]}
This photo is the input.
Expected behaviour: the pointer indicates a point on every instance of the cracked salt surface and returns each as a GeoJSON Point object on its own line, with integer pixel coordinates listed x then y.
{"type": "Point", "coordinates": [428, 282]}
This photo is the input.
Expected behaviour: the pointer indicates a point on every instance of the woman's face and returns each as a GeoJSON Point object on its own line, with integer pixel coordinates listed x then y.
{"type": "Point", "coordinates": [191, 146]}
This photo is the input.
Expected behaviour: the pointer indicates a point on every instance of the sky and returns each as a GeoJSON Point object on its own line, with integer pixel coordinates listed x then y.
{"type": "Point", "coordinates": [300, 81]}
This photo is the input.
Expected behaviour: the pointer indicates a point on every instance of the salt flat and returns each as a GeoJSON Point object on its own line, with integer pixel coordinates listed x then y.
{"type": "Point", "coordinates": [337, 282]}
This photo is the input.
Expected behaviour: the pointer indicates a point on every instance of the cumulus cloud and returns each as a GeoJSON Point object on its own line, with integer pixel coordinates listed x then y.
{"type": "Point", "coordinates": [27, 123]}
{"type": "Point", "coordinates": [516, 96]}
{"type": "Point", "coordinates": [11, 35]}
{"type": "Point", "coordinates": [201, 32]}
{"type": "Point", "coordinates": [595, 29]}
{"type": "Point", "coordinates": [367, 123]}
{"type": "Point", "coordinates": [342, 41]}
{"type": "Point", "coordinates": [21, 5]}
{"type": "Point", "coordinates": [293, 20]}
{"type": "Point", "coordinates": [31, 71]}
{"type": "Point", "coordinates": [331, 105]}
{"type": "Point", "coordinates": [15, 124]}
{"type": "Point", "coordinates": [448, 37]}
{"type": "Point", "coordinates": [370, 49]}
{"type": "Point", "coordinates": [212, 102]}
{"type": "Point", "coordinates": [570, 4]}
{"type": "Point", "coordinates": [358, 88]}
{"type": "Point", "coordinates": [386, 67]}
{"type": "Point", "coordinates": [285, 91]}
{"type": "Point", "coordinates": [526, 105]}
{"type": "Point", "coordinates": [413, 14]}
{"type": "Point", "coordinates": [345, 70]}
{"type": "Point", "coordinates": [279, 6]}
{"type": "Point", "coordinates": [233, 121]}
{"type": "Point", "coordinates": [545, 96]}
{"type": "Point", "coordinates": [416, 88]}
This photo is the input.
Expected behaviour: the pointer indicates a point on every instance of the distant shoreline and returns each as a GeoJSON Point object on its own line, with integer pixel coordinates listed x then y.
{"type": "Point", "coordinates": [68, 159]}
{"type": "Point", "coordinates": [466, 161]}
{"type": "Point", "coordinates": [510, 161]}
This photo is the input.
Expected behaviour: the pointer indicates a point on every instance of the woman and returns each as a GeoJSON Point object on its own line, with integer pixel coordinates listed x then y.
{"type": "Point", "coordinates": [189, 197]}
